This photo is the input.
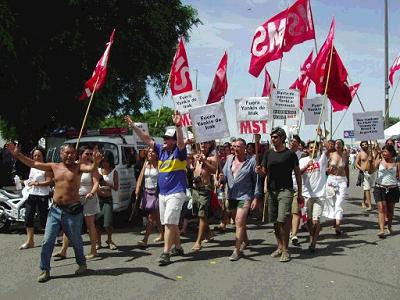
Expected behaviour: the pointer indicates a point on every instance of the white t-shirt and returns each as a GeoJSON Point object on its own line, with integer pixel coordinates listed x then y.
{"type": "Point", "coordinates": [314, 178]}
{"type": "Point", "coordinates": [298, 154]}
{"type": "Point", "coordinates": [40, 176]}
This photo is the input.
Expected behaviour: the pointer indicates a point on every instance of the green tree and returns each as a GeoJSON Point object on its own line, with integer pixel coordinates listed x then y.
{"type": "Point", "coordinates": [50, 48]}
{"type": "Point", "coordinates": [149, 117]}
{"type": "Point", "coordinates": [392, 121]}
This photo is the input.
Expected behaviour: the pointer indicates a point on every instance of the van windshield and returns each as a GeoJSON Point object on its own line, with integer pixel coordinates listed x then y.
{"type": "Point", "coordinates": [105, 147]}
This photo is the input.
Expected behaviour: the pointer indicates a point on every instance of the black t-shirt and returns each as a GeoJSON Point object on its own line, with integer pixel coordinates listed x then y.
{"type": "Point", "coordinates": [279, 167]}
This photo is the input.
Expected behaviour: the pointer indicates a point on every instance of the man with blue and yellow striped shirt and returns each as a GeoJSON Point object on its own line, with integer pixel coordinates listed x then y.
{"type": "Point", "coordinates": [171, 182]}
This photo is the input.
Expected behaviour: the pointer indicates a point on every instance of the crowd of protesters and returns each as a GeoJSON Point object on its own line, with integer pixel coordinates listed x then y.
{"type": "Point", "coordinates": [290, 183]}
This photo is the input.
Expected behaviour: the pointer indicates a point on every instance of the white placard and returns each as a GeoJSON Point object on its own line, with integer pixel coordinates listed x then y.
{"type": "Point", "coordinates": [252, 108]}
{"type": "Point", "coordinates": [368, 126]}
{"type": "Point", "coordinates": [312, 110]}
{"type": "Point", "coordinates": [140, 145]}
{"type": "Point", "coordinates": [185, 101]}
{"type": "Point", "coordinates": [253, 127]}
{"type": "Point", "coordinates": [209, 122]}
{"type": "Point", "coordinates": [285, 104]}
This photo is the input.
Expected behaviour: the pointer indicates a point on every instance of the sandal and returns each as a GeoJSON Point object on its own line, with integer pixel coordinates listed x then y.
{"type": "Point", "coordinates": [285, 257]}
{"type": "Point", "coordinates": [98, 246]}
{"type": "Point", "coordinates": [26, 246]}
{"type": "Point", "coordinates": [90, 256]}
{"type": "Point", "coordinates": [381, 235]}
{"type": "Point", "coordinates": [142, 244]}
{"type": "Point", "coordinates": [276, 253]}
{"type": "Point", "coordinates": [111, 245]}
{"type": "Point", "coordinates": [159, 239]}
{"type": "Point", "coordinates": [59, 256]}
{"type": "Point", "coordinates": [196, 248]}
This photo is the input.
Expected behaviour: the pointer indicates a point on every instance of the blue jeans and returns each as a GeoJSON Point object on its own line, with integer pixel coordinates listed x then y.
{"type": "Point", "coordinates": [72, 227]}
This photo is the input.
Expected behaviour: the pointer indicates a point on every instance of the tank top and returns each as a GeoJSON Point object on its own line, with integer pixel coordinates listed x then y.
{"type": "Point", "coordinates": [86, 184]}
{"type": "Point", "coordinates": [150, 178]}
{"type": "Point", "coordinates": [109, 178]}
{"type": "Point", "coordinates": [39, 176]}
{"type": "Point", "coordinates": [386, 176]}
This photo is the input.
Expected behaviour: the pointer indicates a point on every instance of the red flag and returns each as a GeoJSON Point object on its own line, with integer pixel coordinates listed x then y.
{"type": "Point", "coordinates": [299, 24]}
{"type": "Point", "coordinates": [99, 73]}
{"type": "Point", "coordinates": [268, 85]}
{"type": "Point", "coordinates": [180, 77]}
{"type": "Point", "coordinates": [338, 92]}
{"type": "Point", "coordinates": [267, 43]}
{"type": "Point", "coordinates": [393, 69]}
{"type": "Point", "coordinates": [220, 83]}
{"type": "Point", "coordinates": [319, 68]}
{"type": "Point", "coordinates": [279, 34]}
{"type": "Point", "coordinates": [354, 89]}
{"type": "Point", "coordinates": [303, 81]}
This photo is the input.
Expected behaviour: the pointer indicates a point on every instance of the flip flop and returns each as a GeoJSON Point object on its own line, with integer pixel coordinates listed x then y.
{"type": "Point", "coordinates": [158, 240]}
{"type": "Point", "coordinates": [59, 256]}
{"type": "Point", "coordinates": [26, 246]}
{"type": "Point", "coordinates": [276, 253]}
{"type": "Point", "coordinates": [142, 244]}
{"type": "Point", "coordinates": [111, 245]}
{"type": "Point", "coordinates": [285, 257]}
{"type": "Point", "coordinates": [196, 248]}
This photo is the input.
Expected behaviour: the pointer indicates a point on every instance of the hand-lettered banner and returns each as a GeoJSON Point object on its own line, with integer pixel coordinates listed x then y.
{"type": "Point", "coordinates": [209, 122]}
{"type": "Point", "coordinates": [285, 104]}
{"type": "Point", "coordinates": [140, 145]}
{"type": "Point", "coordinates": [185, 101]}
{"type": "Point", "coordinates": [368, 126]}
{"type": "Point", "coordinates": [252, 108]}
{"type": "Point", "coordinates": [312, 111]}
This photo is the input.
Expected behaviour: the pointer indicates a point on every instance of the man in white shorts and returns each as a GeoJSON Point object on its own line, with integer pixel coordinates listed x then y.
{"type": "Point", "coordinates": [313, 169]}
{"type": "Point", "coordinates": [364, 163]}
{"type": "Point", "coordinates": [171, 182]}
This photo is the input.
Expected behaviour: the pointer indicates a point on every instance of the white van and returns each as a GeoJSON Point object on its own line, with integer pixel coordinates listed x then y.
{"type": "Point", "coordinates": [124, 148]}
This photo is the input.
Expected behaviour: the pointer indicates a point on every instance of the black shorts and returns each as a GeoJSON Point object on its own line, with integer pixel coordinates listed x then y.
{"type": "Point", "coordinates": [386, 194]}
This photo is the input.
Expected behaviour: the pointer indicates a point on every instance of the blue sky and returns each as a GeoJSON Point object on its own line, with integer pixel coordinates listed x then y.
{"type": "Point", "coordinates": [230, 25]}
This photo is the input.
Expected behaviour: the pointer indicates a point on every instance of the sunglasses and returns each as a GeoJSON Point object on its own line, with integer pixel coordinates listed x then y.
{"type": "Point", "coordinates": [89, 154]}
{"type": "Point", "coordinates": [274, 136]}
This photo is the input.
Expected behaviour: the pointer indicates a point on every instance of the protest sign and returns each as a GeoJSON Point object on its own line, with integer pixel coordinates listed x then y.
{"type": "Point", "coordinates": [185, 101]}
{"type": "Point", "coordinates": [312, 110]}
{"type": "Point", "coordinates": [252, 108]}
{"type": "Point", "coordinates": [285, 104]}
{"type": "Point", "coordinates": [209, 122]}
{"type": "Point", "coordinates": [140, 145]}
{"type": "Point", "coordinates": [368, 126]}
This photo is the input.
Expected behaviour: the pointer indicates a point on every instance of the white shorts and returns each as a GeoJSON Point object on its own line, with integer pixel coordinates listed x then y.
{"type": "Point", "coordinates": [314, 208]}
{"type": "Point", "coordinates": [369, 181]}
{"type": "Point", "coordinates": [171, 207]}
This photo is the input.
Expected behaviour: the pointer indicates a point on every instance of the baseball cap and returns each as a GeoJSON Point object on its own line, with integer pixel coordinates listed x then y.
{"type": "Point", "coordinates": [170, 133]}
{"type": "Point", "coordinates": [280, 132]}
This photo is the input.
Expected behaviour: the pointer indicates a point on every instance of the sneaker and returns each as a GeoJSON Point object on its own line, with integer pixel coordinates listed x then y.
{"type": "Point", "coordinates": [44, 276]}
{"type": "Point", "coordinates": [164, 259]}
{"type": "Point", "coordinates": [295, 240]}
{"type": "Point", "coordinates": [177, 251]}
{"type": "Point", "coordinates": [235, 255]}
{"type": "Point", "coordinates": [81, 269]}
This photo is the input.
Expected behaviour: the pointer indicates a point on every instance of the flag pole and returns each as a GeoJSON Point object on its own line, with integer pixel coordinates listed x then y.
{"type": "Point", "coordinates": [325, 97]}
{"type": "Point", "coordinates": [87, 112]}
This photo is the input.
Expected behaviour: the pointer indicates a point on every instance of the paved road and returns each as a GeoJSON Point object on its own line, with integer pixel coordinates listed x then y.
{"type": "Point", "coordinates": [357, 265]}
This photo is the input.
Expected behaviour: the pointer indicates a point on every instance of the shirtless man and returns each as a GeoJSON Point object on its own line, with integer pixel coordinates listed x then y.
{"type": "Point", "coordinates": [205, 166]}
{"type": "Point", "coordinates": [337, 183]}
{"type": "Point", "coordinates": [66, 210]}
{"type": "Point", "coordinates": [364, 163]}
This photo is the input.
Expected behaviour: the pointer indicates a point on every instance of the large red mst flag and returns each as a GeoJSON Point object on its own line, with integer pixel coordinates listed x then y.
{"type": "Point", "coordinates": [268, 85]}
{"type": "Point", "coordinates": [319, 68]}
{"type": "Point", "coordinates": [279, 34]}
{"type": "Point", "coordinates": [303, 81]}
{"type": "Point", "coordinates": [180, 77]}
{"type": "Point", "coordinates": [99, 73]}
{"type": "Point", "coordinates": [393, 69]}
{"type": "Point", "coordinates": [220, 83]}
{"type": "Point", "coordinates": [299, 24]}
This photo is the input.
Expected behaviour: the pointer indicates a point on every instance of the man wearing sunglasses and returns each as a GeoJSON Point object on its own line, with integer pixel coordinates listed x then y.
{"type": "Point", "coordinates": [278, 164]}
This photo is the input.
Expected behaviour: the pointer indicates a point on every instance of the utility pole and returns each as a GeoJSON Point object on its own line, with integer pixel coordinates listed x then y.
{"type": "Point", "coordinates": [386, 112]}
{"type": "Point", "coordinates": [196, 70]}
